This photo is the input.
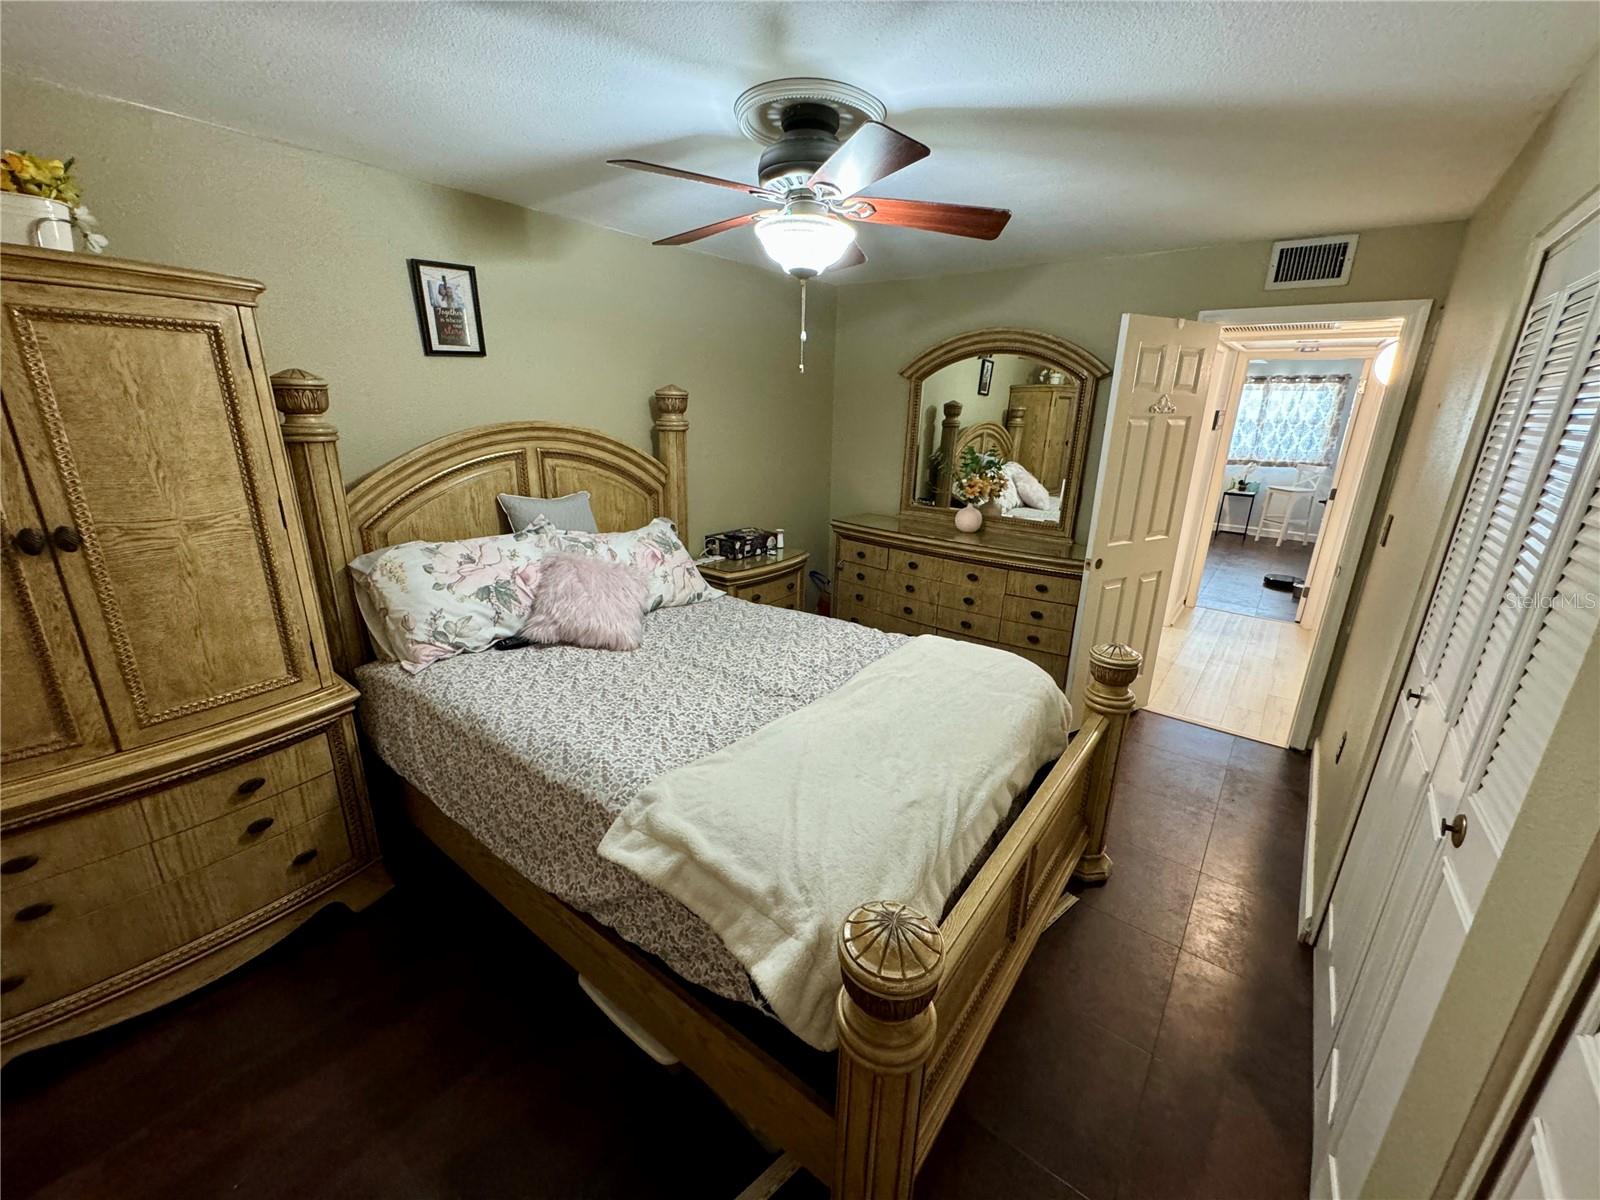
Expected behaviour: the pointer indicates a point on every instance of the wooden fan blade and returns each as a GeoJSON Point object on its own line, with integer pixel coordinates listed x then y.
{"type": "Point", "coordinates": [633, 164]}
{"type": "Point", "coordinates": [705, 231]}
{"type": "Point", "coordinates": [853, 257]}
{"type": "Point", "coordinates": [873, 152]}
{"type": "Point", "coordinates": [962, 220]}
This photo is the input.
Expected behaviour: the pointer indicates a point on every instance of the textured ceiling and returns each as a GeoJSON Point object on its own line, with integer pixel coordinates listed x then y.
{"type": "Point", "coordinates": [1106, 128]}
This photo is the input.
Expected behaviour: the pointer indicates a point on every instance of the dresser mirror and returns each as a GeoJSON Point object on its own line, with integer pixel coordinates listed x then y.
{"type": "Point", "coordinates": [1009, 399]}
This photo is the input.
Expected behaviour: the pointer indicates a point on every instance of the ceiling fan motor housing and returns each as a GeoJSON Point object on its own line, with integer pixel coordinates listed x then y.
{"type": "Point", "coordinates": [810, 136]}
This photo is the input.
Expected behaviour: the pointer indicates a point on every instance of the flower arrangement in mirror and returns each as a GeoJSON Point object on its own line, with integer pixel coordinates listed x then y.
{"type": "Point", "coordinates": [979, 483]}
{"type": "Point", "coordinates": [47, 180]}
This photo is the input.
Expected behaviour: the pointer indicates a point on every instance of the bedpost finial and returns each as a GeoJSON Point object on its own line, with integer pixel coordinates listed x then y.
{"type": "Point", "coordinates": [891, 958]}
{"type": "Point", "coordinates": [671, 407]}
{"type": "Point", "coordinates": [952, 412]}
{"type": "Point", "coordinates": [1113, 666]}
{"type": "Point", "coordinates": [299, 393]}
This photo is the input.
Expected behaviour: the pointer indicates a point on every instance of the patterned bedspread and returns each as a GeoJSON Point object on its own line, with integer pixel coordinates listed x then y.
{"type": "Point", "coordinates": [536, 751]}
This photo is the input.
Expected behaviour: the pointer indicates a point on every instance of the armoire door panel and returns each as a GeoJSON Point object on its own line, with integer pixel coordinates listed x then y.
{"type": "Point", "coordinates": [50, 715]}
{"type": "Point", "coordinates": [160, 463]}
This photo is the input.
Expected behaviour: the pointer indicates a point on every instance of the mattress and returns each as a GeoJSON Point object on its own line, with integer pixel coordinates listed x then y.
{"type": "Point", "coordinates": [536, 751]}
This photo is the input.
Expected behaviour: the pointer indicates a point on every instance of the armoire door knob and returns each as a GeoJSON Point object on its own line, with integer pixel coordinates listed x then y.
{"type": "Point", "coordinates": [67, 539]}
{"type": "Point", "coordinates": [1456, 830]}
{"type": "Point", "coordinates": [29, 541]}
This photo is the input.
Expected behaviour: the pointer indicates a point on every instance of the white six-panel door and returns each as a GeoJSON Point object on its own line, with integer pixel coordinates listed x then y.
{"type": "Point", "coordinates": [1510, 617]}
{"type": "Point", "coordinates": [1158, 396]}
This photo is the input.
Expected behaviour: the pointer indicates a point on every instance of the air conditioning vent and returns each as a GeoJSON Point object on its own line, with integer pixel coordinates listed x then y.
{"type": "Point", "coordinates": [1312, 262]}
{"type": "Point", "coordinates": [1292, 327]}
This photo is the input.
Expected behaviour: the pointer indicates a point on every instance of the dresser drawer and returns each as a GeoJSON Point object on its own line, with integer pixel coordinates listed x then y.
{"type": "Point", "coordinates": [973, 576]}
{"type": "Point", "coordinates": [852, 602]}
{"type": "Point", "coordinates": [920, 566]}
{"type": "Point", "coordinates": [71, 955]}
{"type": "Point", "coordinates": [862, 554]}
{"type": "Point", "coordinates": [908, 608]}
{"type": "Point", "coordinates": [968, 624]}
{"type": "Point", "coordinates": [1054, 664]}
{"type": "Point", "coordinates": [197, 801]}
{"type": "Point", "coordinates": [860, 575]}
{"type": "Point", "coordinates": [1042, 587]}
{"type": "Point", "coordinates": [47, 850]}
{"type": "Point", "coordinates": [1035, 637]}
{"type": "Point", "coordinates": [899, 584]}
{"type": "Point", "coordinates": [988, 600]}
{"type": "Point", "coordinates": [244, 827]}
{"type": "Point", "coordinates": [28, 908]}
{"type": "Point", "coordinates": [1039, 612]}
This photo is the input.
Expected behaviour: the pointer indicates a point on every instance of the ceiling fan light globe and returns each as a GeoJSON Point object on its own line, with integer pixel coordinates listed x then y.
{"type": "Point", "coordinates": [804, 244]}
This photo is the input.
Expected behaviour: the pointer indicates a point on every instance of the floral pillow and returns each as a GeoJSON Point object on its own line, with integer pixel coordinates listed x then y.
{"type": "Point", "coordinates": [654, 551]}
{"type": "Point", "coordinates": [434, 600]}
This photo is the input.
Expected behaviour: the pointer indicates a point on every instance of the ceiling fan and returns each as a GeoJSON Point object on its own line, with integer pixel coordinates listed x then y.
{"type": "Point", "coordinates": [812, 179]}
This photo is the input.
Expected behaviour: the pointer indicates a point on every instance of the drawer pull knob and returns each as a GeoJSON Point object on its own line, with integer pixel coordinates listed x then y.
{"type": "Point", "coordinates": [1033, 639]}
{"type": "Point", "coordinates": [11, 983]}
{"type": "Point", "coordinates": [19, 864]}
{"type": "Point", "coordinates": [966, 624]}
{"type": "Point", "coordinates": [29, 541]}
{"type": "Point", "coordinates": [1042, 588]}
{"type": "Point", "coordinates": [33, 912]}
{"type": "Point", "coordinates": [1036, 615]}
{"type": "Point", "coordinates": [791, 585]}
{"type": "Point", "coordinates": [972, 577]}
{"type": "Point", "coordinates": [254, 784]}
{"type": "Point", "coordinates": [259, 826]}
{"type": "Point", "coordinates": [303, 857]}
{"type": "Point", "coordinates": [911, 588]}
{"type": "Point", "coordinates": [67, 539]}
{"type": "Point", "coordinates": [861, 598]}
{"type": "Point", "coordinates": [968, 601]}
{"type": "Point", "coordinates": [911, 564]}
{"type": "Point", "coordinates": [861, 576]}
{"type": "Point", "coordinates": [908, 610]}
{"type": "Point", "coordinates": [756, 597]}
{"type": "Point", "coordinates": [861, 553]}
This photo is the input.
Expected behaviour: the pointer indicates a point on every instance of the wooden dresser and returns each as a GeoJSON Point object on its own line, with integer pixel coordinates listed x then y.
{"type": "Point", "coordinates": [777, 579]}
{"type": "Point", "coordinates": [893, 576]}
{"type": "Point", "coordinates": [179, 783]}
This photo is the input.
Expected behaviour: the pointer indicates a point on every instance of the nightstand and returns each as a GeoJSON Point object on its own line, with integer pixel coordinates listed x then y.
{"type": "Point", "coordinates": [777, 579]}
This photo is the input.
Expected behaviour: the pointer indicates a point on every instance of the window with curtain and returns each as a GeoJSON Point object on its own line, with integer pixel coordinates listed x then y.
{"type": "Point", "coordinates": [1289, 420]}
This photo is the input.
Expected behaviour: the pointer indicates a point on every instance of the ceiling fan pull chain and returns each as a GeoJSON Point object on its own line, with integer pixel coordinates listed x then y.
{"type": "Point", "coordinates": [802, 327]}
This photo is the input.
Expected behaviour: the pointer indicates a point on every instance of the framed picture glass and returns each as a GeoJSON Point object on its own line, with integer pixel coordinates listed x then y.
{"type": "Point", "coordinates": [447, 307]}
{"type": "Point", "coordinates": [985, 375]}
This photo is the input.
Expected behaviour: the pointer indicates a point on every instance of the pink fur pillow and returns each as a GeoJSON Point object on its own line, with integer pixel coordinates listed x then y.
{"type": "Point", "coordinates": [586, 601]}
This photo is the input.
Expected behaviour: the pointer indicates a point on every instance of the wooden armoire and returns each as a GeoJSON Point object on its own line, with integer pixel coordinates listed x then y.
{"type": "Point", "coordinates": [179, 780]}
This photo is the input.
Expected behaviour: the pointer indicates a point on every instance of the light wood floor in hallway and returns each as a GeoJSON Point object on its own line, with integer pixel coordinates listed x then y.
{"type": "Point", "coordinates": [1231, 672]}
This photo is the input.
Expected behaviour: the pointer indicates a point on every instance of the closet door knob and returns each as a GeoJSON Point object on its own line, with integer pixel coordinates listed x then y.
{"type": "Point", "coordinates": [67, 539]}
{"type": "Point", "coordinates": [1456, 830]}
{"type": "Point", "coordinates": [29, 541]}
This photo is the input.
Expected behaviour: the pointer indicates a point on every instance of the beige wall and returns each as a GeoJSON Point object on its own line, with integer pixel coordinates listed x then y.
{"type": "Point", "coordinates": [883, 326]}
{"type": "Point", "coordinates": [581, 324]}
{"type": "Point", "coordinates": [1559, 165]}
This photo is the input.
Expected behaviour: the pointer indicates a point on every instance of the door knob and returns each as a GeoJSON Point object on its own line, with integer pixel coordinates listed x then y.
{"type": "Point", "coordinates": [29, 541]}
{"type": "Point", "coordinates": [67, 539]}
{"type": "Point", "coordinates": [1456, 829]}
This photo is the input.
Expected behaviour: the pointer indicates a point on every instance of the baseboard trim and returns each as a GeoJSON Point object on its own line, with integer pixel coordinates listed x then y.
{"type": "Point", "coordinates": [1249, 534]}
{"type": "Point", "coordinates": [1309, 855]}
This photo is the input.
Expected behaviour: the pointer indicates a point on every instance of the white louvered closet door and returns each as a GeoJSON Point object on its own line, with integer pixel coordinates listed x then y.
{"type": "Point", "coordinates": [1513, 612]}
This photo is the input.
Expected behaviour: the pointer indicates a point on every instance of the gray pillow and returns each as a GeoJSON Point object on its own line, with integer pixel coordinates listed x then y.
{"type": "Point", "coordinates": [564, 512]}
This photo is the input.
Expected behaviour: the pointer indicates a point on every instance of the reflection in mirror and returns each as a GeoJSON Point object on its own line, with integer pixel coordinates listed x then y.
{"type": "Point", "coordinates": [1019, 409]}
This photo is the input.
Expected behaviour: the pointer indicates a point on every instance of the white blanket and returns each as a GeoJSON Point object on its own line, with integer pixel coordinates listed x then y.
{"type": "Point", "coordinates": [885, 789]}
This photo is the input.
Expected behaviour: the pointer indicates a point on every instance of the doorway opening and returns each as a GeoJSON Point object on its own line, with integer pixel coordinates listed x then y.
{"type": "Point", "coordinates": [1302, 416]}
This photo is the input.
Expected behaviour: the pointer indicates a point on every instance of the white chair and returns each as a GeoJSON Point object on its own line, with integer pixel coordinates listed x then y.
{"type": "Point", "coordinates": [1281, 507]}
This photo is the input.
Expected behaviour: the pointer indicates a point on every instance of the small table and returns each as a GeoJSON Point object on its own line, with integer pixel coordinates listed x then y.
{"type": "Point", "coordinates": [777, 579]}
{"type": "Point", "coordinates": [1250, 489]}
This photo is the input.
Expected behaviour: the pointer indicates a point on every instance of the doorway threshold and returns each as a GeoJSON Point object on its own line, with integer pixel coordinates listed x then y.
{"type": "Point", "coordinates": [1228, 671]}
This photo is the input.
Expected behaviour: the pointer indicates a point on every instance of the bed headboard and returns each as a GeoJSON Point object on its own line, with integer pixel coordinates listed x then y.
{"type": "Point", "coordinates": [984, 436]}
{"type": "Point", "coordinates": [446, 489]}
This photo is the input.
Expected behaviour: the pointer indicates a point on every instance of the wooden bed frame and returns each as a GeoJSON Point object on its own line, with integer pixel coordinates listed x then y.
{"type": "Point", "coordinates": [918, 997]}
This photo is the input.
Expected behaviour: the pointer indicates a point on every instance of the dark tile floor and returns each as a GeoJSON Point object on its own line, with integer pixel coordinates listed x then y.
{"type": "Point", "coordinates": [1157, 1046]}
{"type": "Point", "coordinates": [1232, 578]}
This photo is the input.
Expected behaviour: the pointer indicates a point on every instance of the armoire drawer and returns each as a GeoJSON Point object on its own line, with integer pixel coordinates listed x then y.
{"type": "Point", "coordinates": [244, 827]}
{"type": "Point", "coordinates": [50, 849]}
{"type": "Point", "coordinates": [207, 797]}
{"type": "Point", "coordinates": [52, 900]}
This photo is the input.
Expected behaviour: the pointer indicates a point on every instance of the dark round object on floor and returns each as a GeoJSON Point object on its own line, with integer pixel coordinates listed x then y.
{"type": "Point", "coordinates": [1278, 582]}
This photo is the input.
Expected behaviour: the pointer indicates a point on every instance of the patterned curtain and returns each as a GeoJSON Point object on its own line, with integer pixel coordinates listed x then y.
{"type": "Point", "coordinates": [1288, 420]}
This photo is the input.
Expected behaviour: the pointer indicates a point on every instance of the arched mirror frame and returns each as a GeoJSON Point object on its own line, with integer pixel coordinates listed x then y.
{"type": "Point", "coordinates": [1054, 352]}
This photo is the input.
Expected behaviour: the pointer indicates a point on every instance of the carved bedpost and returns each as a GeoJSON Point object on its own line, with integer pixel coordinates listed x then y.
{"type": "Point", "coordinates": [313, 447]}
{"type": "Point", "coordinates": [948, 433]}
{"type": "Point", "coordinates": [671, 413]}
{"type": "Point", "coordinates": [891, 957]}
{"type": "Point", "coordinates": [1016, 419]}
{"type": "Point", "coordinates": [1113, 667]}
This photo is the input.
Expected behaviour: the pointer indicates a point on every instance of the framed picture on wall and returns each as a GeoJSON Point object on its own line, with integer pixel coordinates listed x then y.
{"type": "Point", "coordinates": [447, 307]}
{"type": "Point", "coordinates": [985, 375]}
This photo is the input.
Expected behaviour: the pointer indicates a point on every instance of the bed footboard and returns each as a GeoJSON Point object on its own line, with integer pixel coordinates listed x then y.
{"type": "Point", "coordinates": [903, 1057]}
